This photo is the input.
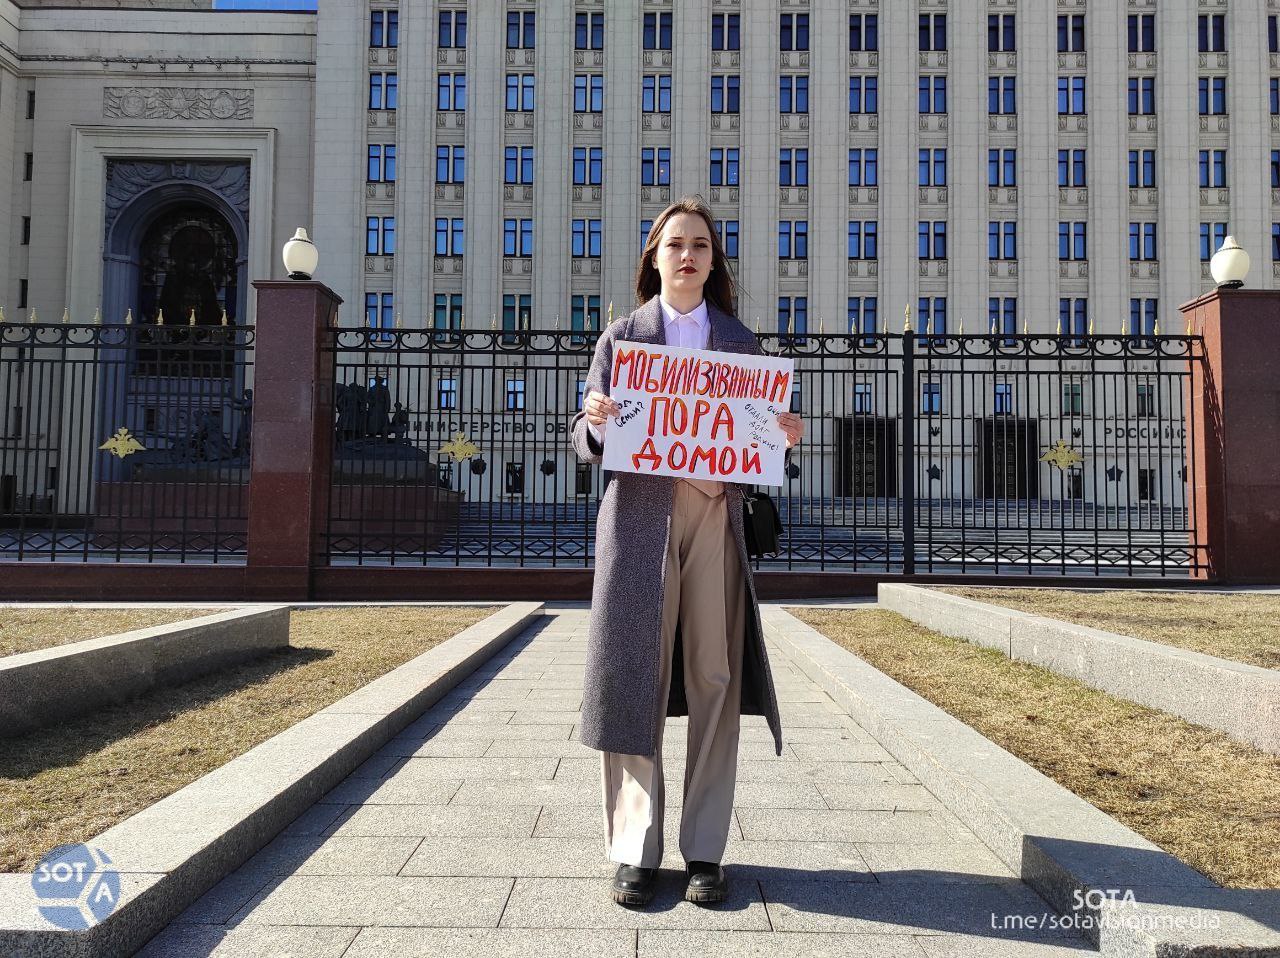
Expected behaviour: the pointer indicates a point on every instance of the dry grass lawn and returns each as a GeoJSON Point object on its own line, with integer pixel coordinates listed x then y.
{"type": "Point", "coordinates": [1243, 626]}
{"type": "Point", "coordinates": [67, 784]}
{"type": "Point", "coordinates": [26, 630]}
{"type": "Point", "coordinates": [1211, 802]}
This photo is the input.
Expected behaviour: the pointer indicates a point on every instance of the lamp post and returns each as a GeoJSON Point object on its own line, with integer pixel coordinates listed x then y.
{"type": "Point", "coordinates": [300, 256]}
{"type": "Point", "coordinates": [1229, 265]}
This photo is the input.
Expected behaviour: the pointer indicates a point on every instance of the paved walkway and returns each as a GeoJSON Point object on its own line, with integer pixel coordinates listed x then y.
{"type": "Point", "coordinates": [478, 831]}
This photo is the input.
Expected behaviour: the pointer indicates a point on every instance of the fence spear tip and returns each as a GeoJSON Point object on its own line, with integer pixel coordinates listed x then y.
{"type": "Point", "coordinates": [31, 317]}
{"type": "Point", "coordinates": [224, 316]}
{"type": "Point", "coordinates": [191, 320]}
{"type": "Point", "coordinates": [128, 316]}
{"type": "Point", "coordinates": [66, 314]}
{"type": "Point", "coordinates": [97, 316]}
{"type": "Point", "coordinates": [160, 317]}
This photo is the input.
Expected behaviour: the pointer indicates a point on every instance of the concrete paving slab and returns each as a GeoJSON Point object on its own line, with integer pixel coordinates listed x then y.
{"type": "Point", "coordinates": [422, 821]}
{"type": "Point", "coordinates": [585, 903]}
{"type": "Point", "coordinates": [776, 824]}
{"type": "Point", "coordinates": [190, 941]}
{"type": "Point", "coordinates": [492, 943]}
{"type": "Point", "coordinates": [845, 795]}
{"type": "Point", "coordinates": [657, 943]}
{"type": "Point", "coordinates": [511, 858]}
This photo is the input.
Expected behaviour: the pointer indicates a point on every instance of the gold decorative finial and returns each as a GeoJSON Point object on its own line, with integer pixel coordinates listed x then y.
{"type": "Point", "coordinates": [224, 316]}
{"type": "Point", "coordinates": [459, 448]}
{"type": "Point", "coordinates": [399, 324]}
{"type": "Point", "coordinates": [31, 317]}
{"type": "Point", "coordinates": [1026, 325]}
{"type": "Point", "coordinates": [1155, 329]}
{"type": "Point", "coordinates": [1090, 324]}
{"type": "Point", "coordinates": [97, 316]}
{"type": "Point", "coordinates": [1, 314]}
{"type": "Point", "coordinates": [462, 320]}
{"type": "Point", "coordinates": [757, 324]}
{"type": "Point", "coordinates": [1062, 456]}
{"type": "Point", "coordinates": [128, 317]}
{"type": "Point", "coordinates": [960, 331]}
{"type": "Point", "coordinates": [906, 319]}
{"type": "Point", "coordinates": [122, 444]}
{"type": "Point", "coordinates": [66, 314]}
{"type": "Point", "coordinates": [191, 320]}
{"type": "Point", "coordinates": [1188, 320]}
{"type": "Point", "coordinates": [493, 321]}
{"type": "Point", "coordinates": [610, 311]}
{"type": "Point", "coordinates": [1059, 324]}
{"type": "Point", "coordinates": [160, 317]}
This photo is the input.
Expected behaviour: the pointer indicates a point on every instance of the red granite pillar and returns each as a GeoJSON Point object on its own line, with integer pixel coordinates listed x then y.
{"type": "Point", "coordinates": [292, 436]}
{"type": "Point", "coordinates": [1233, 445]}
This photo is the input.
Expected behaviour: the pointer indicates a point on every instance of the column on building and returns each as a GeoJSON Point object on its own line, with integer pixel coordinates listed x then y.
{"type": "Point", "coordinates": [620, 64]}
{"type": "Point", "coordinates": [1038, 201]}
{"type": "Point", "coordinates": [1180, 212]}
{"type": "Point", "coordinates": [1247, 68]}
{"type": "Point", "coordinates": [1111, 273]}
{"type": "Point", "coordinates": [756, 195]}
{"type": "Point", "coordinates": [486, 202]}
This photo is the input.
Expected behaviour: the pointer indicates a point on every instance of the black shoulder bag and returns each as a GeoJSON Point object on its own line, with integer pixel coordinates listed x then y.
{"type": "Point", "coordinates": [760, 523]}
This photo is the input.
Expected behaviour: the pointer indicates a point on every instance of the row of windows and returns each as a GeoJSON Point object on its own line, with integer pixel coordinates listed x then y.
{"type": "Point", "coordinates": [793, 94]}
{"type": "Point", "coordinates": [793, 31]}
{"type": "Point", "coordinates": [793, 238]}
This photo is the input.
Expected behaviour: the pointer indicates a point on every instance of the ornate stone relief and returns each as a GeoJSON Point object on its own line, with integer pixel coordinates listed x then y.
{"type": "Point", "coordinates": [177, 103]}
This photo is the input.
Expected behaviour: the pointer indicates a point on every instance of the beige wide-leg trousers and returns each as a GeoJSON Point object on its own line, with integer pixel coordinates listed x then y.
{"type": "Point", "coordinates": [706, 593]}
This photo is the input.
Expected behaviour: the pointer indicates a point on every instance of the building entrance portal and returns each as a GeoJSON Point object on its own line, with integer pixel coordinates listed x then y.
{"type": "Point", "coordinates": [1007, 458]}
{"type": "Point", "coordinates": [866, 461]}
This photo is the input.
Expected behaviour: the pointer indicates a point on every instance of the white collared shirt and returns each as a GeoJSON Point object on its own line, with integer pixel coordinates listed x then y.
{"type": "Point", "coordinates": [691, 330]}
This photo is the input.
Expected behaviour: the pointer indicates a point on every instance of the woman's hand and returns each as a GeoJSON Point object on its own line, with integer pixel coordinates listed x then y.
{"type": "Point", "coordinates": [599, 408]}
{"type": "Point", "coordinates": [793, 426]}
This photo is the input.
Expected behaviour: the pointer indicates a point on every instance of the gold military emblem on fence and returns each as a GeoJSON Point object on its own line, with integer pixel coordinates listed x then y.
{"type": "Point", "coordinates": [1062, 456]}
{"type": "Point", "coordinates": [122, 444]}
{"type": "Point", "coordinates": [459, 448]}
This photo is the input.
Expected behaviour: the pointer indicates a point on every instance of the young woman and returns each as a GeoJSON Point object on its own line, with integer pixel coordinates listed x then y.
{"type": "Point", "coordinates": [675, 628]}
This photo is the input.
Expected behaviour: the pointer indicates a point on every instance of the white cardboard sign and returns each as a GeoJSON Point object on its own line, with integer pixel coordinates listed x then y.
{"type": "Point", "coordinates": [695, 413]}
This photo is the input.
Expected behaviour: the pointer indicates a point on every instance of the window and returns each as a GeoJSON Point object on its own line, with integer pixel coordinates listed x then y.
{"type": "Point", "coordinates": [932, 168]}
{"type": "Point", "coordinates": [448, 311]}
{"type": "Point", "coordinates": [930, 398]}
{"type": "Point", "coordinates": [726, 33]}
{"type": "Point", "coordinates": [451, 164]}
{"type": "Point", "coordinates": [447, 393]}
{"type": "Point", "coordinates": [645, 226]}
{"type": "Point", "coordinates": [1002, 239]}
{"type": "Point", "coordinates": [1073, 318]}
{"type": "Point", "coordinates": [588, 31]}
{"type": "Point", "coordinates": [793, 239]}
{"type": "Point", "coordinates": [863, 239]}
{"type": "Point", "coordinates": [1071, 241]}
{"type": "Point", "coordinates": [588, 165]}
{"type": "Point", "coordinates": [933, 239]}
{"type": "Point", "coordinates": [1275, 96]}
{"type": "Point", "coordinates": [31, 104]}
{"type": "Point", "coordinates": [1212, 33]}
{"type": "Point", "coordinates": [1273, 39]}
{"type": "Point", "coordinates": [724, 166]}
{"type": "Point", "coordinates": [28, 166]}
{"type": "Point", "coordinates": [453, 28]}
{"type": "Point", "coordinates": [1142, 241]}
{"type": "Point", "coordinates": [584, 315]}
{"type": "Point", "coordinates": [793, 315]}
{"type": "Point", "coordinates": [26, 231]}
{"type": "Point", "coordinates": [793, 167]}
{"type": "Point", "coordinates": [655, 94]}
{"type": "Point", "coordinates": [655, 166]}
{"type": "Point", "coordinates": [1213, 168]}
{"type": "Point", "coordinates": [793, 94]}
{"type": "Point", "coordinates": [1002, 167]}
{"type": "Point", "coordinates": [588, 93]}
{"type": "Point", "coordinates": [1071, 33]}
{"type": "Point", "coordinates": [22, 294]}
{"type": "Point", "coordinates": [1000, 33]}
{"type": "Point", "coordinates": [1212, 236]}
{"type": "Point", "coordinates": [1142, 317]}
{"type": "Point", "coordinates": [380, 236]}
{"type": "Point", "coordinates": [1213, 96]}
{"type": "Point", "coordinates": [517, 308]}
{"type": "Point", "coordinates": [657, 31]}
{"type": "Point", "coordinates": [863, 165]}
{"type": "Point", "coordinates": [1072, 168]}
{"type": "Point", "coordinates": [793, 33]}
{"type": "Point", "coordinates": [933, 94]}
{"type": "Point", "coordinates": [1001, 95]}
{"type": "Point", "coordinates": [451, 91]}
{"type": "Point", "coordinates": [1142, 96]}
{"type": "Point", "coordinates": [1002, 401]}
{"type": "Point", "coordinates": [931, 316]}
{"type": "Point", "coordinates": [1002, 316]}
{"type": "Point", "coordinates": [1275, 238]}
{"type": "Point", "coordinates": [1146, 484]}
{"type": "Point", "coordinates": [933, 32]}
{"type": "Point", "coordinates": [586, 238]}
{"type": "Point", "coordinates": [724, 94]}
{"type": "Point", "coordinates": [863, 319]}
{"type": "Point", "coordinates": [582, 478]}
{"type": "Point", "coordinates": [864, 32]}
{"type": "Point", "coordinates": [515, 394]}
{"type": "Point", "coordinates": [382, 163]}
{"type": "Point", "coordinates": [519, 92]}
{"type": "Point", "coordinates": [379, 313]}
{"type": "Point", "coordinates": [1145, 405]}
{"type": "Point", "coordinates": [384, 28]}
{"type": "Point", "coordinates": [728, 230]}
{"type": "Point", "coordinates": [863, 400]}
{"type": "Point", "coordinates": [520, 30]}
{"type": "Point", "coordinates": [1142, 168]}
{"type": "Point", "coordinates": [1142, 33]}
{"type": "Point", "coordinates": [1071, 96]}
{"type": "Point", "coordinates": [518, 165]}
{"type": "Point", "coordinates": [517, 237]}
{"type": "Point", "coordinates": [383, 91]}
{"type": "Point", "coordinates": [1072, 398]}
{"type": "Point", "coordinates": [864, 94]}
{"type": "Point", "coordinates": [449, 237]}
{"type": "Point", "coordinates": [513, 483]}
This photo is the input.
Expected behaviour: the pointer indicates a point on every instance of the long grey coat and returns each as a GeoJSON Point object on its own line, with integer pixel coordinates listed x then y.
{"type": "Point", "coordinates": [620, 708]}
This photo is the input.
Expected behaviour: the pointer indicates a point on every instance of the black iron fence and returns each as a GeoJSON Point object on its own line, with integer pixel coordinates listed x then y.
{"type": "Point", "coordinates": [124, 443]}
{"type": "Point", "coordinates": [984, 454]}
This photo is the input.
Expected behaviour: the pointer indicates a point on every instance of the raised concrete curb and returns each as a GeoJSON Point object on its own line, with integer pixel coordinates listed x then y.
{"type": "Point", "coordinates": [56, 684]}
{"type": "Point", "coordinates": [1071, 853]}
{"type": "Point", "coordinates": [1241, 700]}
{"type": "Point", "coordinates": [170, 854]}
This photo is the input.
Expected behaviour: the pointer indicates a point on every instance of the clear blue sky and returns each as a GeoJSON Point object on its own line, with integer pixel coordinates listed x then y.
{"type": "Point", "coordinates": [264, 4]}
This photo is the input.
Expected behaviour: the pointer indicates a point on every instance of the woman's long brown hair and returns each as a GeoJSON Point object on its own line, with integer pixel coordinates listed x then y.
{"type": "Point", "coordinates": [721, 288]}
